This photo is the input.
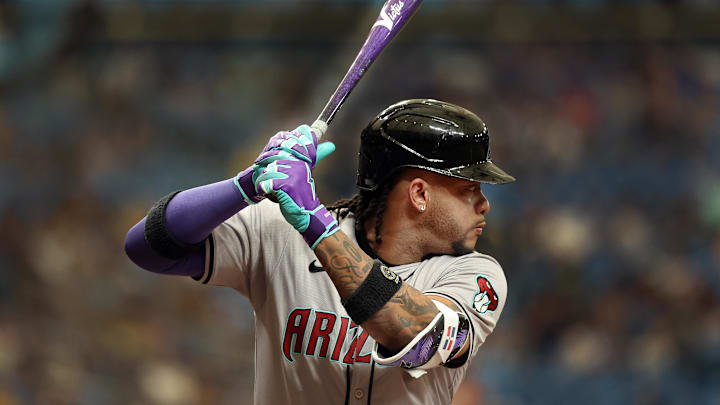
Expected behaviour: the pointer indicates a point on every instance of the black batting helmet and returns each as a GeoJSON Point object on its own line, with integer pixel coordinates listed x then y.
{"type": "Point", "coordinates": [431, 135]}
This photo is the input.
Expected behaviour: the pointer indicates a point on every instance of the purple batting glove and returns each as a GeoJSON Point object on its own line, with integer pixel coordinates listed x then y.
{"type": "Point", "coordinates": [300, 144]}
{"type": "Point", "coordinates": [245, 182]}
{"type": "Point", "coordinates": [291, 182]}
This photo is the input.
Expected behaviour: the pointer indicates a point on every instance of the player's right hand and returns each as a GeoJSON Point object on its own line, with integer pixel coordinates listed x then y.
{"type": "Point", "coordinates": [291, 183]}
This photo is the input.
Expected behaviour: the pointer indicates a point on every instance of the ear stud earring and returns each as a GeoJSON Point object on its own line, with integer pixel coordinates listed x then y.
{"type": "Point", "coordinates": [422, 208]}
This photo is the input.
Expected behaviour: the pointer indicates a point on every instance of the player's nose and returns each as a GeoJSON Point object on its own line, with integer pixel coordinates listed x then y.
{"type": "Point", "coordinates": [483, 205]}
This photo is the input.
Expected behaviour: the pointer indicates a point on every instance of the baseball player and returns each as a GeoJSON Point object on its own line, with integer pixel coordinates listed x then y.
{"type": "Point", "coordinates": [379, 299]}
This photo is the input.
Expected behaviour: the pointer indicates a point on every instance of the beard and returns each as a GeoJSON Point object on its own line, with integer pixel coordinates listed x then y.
{"type": "Point", "coordinates": [460, 249]}
{"type": "Point", "coordinates": [448, 229]}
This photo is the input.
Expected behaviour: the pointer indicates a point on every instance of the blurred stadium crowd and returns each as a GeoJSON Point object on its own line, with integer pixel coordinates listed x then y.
{"type": "Point", "coordinates": [610, 238]}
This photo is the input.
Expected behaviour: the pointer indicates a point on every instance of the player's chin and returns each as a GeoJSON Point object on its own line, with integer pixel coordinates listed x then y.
{"type": "Point", "coordinates": [471, 241]}
{"type": "Point", "coordinates": [463, 247]}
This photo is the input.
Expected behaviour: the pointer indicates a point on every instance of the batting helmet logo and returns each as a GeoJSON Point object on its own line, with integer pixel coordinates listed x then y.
{"type": "Point", "coordinates": [486, 299]}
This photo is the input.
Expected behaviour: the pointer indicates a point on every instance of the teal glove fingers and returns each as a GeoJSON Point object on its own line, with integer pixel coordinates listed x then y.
{"type": "Point", "coordinates": [300, 144]}
{"type": "Point", "coordinates": [306, 134]}
{"type": "Point", "coordinates": [296, 216]}
{"type": "Point", "coordinates": [271, 176]}
{"type": "Point", "coordinates": [300, 218]}
{"type": "Point", "coordinates": [264, 182]}
{"type": "Point", "coordinates": [288, 145]}
{"type": "Point", "coordinates": [304, 140]}
{"type": "Point", "coordinates": [324, 150]}
{"type": "Point", "coordinates": [292, 185]}
{"type": "Point", "coordinates": [268, 157]}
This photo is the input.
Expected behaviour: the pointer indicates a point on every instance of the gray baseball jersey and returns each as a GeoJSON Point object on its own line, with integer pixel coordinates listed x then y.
{"type": "Point", "coordinates": [307, 349]}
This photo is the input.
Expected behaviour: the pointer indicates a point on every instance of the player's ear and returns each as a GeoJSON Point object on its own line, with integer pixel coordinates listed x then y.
{"type": "Point", "coordinates": [419, 194]}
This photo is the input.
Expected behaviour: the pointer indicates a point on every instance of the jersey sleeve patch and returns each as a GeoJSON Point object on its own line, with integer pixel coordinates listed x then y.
{"type": "Point", "coordinates": [485, 299]}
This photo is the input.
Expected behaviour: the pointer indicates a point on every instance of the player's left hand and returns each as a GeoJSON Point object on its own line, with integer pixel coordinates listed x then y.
{"type": "Point", "coordinates": [291, 183]}
{"type": "Point", "coordinates": [300, 143]}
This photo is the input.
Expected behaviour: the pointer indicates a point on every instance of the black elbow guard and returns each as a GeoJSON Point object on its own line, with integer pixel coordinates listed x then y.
{"type": "Point", "coordinates": [159, 238]}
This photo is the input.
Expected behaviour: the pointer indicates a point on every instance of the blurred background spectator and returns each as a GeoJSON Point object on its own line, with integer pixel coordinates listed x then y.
{"type": "Point", "coordinates": [608, 113]}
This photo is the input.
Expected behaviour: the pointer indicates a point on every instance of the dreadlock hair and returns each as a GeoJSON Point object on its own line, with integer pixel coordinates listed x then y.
{"type": "Point", "coordinates": [366, 205]}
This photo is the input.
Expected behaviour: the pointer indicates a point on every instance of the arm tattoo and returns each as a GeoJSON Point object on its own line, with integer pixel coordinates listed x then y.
{"type": "Point", "coordinates": [411, 305]}
{"type": "Point", "coordinates": [352, 250]}
{"type": "Point", "coordinates": [407, 304]}
{"type": "Point", "coordinates": [407, 313]}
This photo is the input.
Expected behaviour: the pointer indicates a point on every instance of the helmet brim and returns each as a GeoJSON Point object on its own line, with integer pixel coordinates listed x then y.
{"type": "Point", "coordinates": [483, 172]}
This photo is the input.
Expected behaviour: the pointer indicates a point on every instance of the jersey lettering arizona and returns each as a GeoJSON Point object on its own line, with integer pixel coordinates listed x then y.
{"type": "Point", "coordinates": [322, 342]}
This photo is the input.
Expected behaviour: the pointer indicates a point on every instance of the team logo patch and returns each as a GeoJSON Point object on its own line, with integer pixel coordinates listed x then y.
{"type": "Point", "coordinates": [486, 299]}
{"type": "Point", "coordinates": [389, 274]}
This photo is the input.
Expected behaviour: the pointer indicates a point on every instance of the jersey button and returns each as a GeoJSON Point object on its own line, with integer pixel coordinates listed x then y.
{"type": "Point", "coordinates": [359, 394]}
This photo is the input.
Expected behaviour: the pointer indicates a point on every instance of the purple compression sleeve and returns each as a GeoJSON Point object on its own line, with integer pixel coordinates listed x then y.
{"type": "Point", "coordinates": [194, 213]}
{"type": "Point", "coordinates": [190, 216]}
{"type": "Point", "coordinates": [141, 254]}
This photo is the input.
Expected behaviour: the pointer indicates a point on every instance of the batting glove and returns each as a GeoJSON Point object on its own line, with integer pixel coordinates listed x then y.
{"type": "Point", "coordinates": [291, 182]}
{"type": "Point", "coordinates": [299, 144]}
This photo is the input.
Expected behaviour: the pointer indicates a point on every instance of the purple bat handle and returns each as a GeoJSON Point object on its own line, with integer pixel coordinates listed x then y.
{"type": "Point", "coordinates": [393, 16]}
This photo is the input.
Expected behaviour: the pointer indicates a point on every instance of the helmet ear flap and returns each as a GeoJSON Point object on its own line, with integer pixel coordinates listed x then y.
{"type": "Point", "coordinates": [367, 177]}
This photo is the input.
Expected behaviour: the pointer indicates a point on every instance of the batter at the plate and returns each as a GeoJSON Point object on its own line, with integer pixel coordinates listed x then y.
{"type": "Point", "coordinates": [378, 299]}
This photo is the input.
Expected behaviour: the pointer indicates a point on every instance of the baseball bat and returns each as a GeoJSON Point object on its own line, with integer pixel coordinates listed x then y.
{"type": "Point", "coordinates": [393, 16]}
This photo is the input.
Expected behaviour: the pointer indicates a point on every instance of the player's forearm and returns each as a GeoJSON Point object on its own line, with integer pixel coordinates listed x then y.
{"type": "Point", "coordinates": [193, 214]}
{"type": "Point", "coordinates": [190, 217]}
{"type": "Point", "coordinates": [407, 313]}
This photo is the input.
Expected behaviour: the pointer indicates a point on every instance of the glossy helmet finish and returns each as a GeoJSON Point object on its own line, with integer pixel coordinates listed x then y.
{"type": "Point", "coordinates": [431, 135]}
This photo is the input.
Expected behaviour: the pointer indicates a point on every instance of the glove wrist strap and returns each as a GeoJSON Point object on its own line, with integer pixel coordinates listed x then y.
{"type": "Point", "coordinates": [322, 224]}
{"type": "Point", "coordinates": [244, 182]}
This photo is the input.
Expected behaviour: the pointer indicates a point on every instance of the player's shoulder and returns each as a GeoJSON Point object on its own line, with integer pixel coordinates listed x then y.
{"type": "Point", "coordinates": [471, 260]}
{"type": "Point", "coordinates": [484, 263]}
{"type": "Point", "coordinates": [474, 263]}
